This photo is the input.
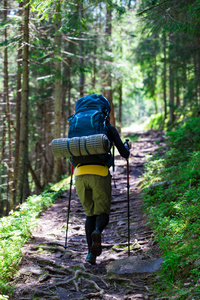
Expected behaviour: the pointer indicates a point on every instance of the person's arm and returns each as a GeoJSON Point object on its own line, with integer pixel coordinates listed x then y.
{"type": "Point", "coordinates": [113, 136]}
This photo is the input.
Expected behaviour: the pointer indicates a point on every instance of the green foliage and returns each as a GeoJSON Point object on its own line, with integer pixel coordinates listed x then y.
{"type": "Point", "coordinates": [16, 229]}
{"type": "Point", "coordinates": [4, 297]}
{"type": "Point", "coordinates": [187, 136]}
{"type": "Point", "coordinates": [171, 199]}
{"type": "Point", "coordinates": [156, 122]}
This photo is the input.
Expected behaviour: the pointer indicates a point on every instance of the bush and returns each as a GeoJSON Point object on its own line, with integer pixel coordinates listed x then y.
{"type": "Point", "coordinates": [171, 190]}
{"type": "Point", "coordinates": [156, 122]}
{"type": "Point", "coordinates": [15, 231]}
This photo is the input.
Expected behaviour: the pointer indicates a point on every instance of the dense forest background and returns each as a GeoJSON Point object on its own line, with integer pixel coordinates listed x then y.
{"type": "Point", "coordinates": [143, 56]}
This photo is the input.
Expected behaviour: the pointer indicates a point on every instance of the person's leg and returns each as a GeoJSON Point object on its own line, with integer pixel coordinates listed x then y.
{"type": "Point", "coordinates": [90, 225]}
{"type": "Point", "coordinates": [95, 195]}
{"type": "Point", "coordinates": [102, 201]}
{"type": "Point", "coordinates": [85, 194]}
{"type": "Point", "coordinates": [101, 194]}
{"type": "Point", "coordinates": [102, 221]}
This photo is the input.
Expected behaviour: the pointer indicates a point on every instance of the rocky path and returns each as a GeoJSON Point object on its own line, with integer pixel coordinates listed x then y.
{"type": "Point", "coordinates": [48, 271]}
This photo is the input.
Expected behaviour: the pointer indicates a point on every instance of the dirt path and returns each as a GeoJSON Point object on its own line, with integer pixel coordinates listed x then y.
{"type": "Point", "coordinates": [48, 271]}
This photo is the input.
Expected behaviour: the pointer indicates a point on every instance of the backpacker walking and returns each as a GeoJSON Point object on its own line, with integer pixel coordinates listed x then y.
{"type": "Point", "coordinates": [92, 176]}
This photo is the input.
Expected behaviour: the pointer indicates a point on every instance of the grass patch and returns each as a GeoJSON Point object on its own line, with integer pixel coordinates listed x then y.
{"type": "Point", "coordinates": [171, 192]}
{"type": "Point", "coordinates": [16, 229]}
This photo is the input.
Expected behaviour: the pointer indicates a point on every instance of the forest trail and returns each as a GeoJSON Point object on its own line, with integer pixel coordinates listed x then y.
{"type": "Point", "coordinates": [48, 271]}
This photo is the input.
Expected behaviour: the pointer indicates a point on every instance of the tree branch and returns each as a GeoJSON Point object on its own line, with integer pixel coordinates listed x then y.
{"type": "Point", "coordinates": [147, 9]}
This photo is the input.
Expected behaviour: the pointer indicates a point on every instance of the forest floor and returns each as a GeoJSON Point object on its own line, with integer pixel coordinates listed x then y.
{"type": "Point", "coordinates": [49, 271]}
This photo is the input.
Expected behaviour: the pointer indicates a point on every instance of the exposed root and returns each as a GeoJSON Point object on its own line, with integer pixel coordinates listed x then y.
{"type": "Point", "coordinates": [92, 295]}
{"type": "Point", "coordinates": [57, 271]}
{"type": "Point", "coordinates": [123, 280]}
{"type": "Point", "coordinates": [39, 292]}
{"type": "Point", "coordinates": [46, 261]}
{"type": "Point", "coordinates": [52, 247]}
{"type": "Point", "coordinates": [76, 280]}
{"type": "Point", "coordinates": [94, 283]}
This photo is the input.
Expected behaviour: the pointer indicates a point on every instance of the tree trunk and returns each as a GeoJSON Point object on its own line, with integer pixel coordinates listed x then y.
{"type": "Point", "coordinates": [35, 178]}
{"type": "Point", "coordinates": [69, 86]}
{"type": "Point", "coordinates": [196, 76]}
{"type": "Point", "coordinates": [94, 66]}
{"type": "Point", "coordinates": [165, 76]}
{"type": "Point", "coordinates": [8, 114]}
{"type": "Point", "coordinates": [107, 79]}
{"type": "Point", "coordinates": [81, 54]}
{"type": "Point", "coordinates": [177, 91]}
{"type": "Point", "coordinates": [171, 94]}
{"type": "Point", "coordinates": [3, 146]}
{"type": "Point", "coordinates": [18, 103]}
{"type": "Point", "coordinates": [66, 88]}
{"type": "Point", "coordinates": [22, 187]}
{"type": "Point", "coordinates": [58, 88]}
{"type": "Point", "coordinates": [120, 106]}
{"type": "Point", "coordinates": [197, 66]}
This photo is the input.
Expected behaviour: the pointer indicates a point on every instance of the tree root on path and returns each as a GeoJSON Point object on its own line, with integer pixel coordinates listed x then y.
{"type": "Point", "coordinates": [47, 261]}
{"type": "Point", "coordinates": [92, 295]}
{"type": "Point", "coordinates": [76, 280]}
{"type": "Point", "coordinates": [58, 247]}
{"type": "Point", "coordinates": [61, 277]}
{"type": "Point", "coordinates": [125, 279]}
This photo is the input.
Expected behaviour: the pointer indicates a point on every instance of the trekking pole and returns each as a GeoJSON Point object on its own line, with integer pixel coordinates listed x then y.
{"type": "Point", "coordinates": [128, 204]}
{"type": "Point", "coordinates": [114, 166]}
{"type": "Point", "coordinates": [70, 192]}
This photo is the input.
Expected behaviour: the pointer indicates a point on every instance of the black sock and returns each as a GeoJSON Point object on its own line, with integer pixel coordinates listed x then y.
{"type": "Point", "coordinates": [102, 221]}
{"type": "Point", "coordinates": [90, 224]}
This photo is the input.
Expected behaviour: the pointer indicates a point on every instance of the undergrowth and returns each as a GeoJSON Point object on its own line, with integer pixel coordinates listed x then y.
{"type": "Point", "coordinates": [16, 229]}
{"type": "Point", "coordinates": [171, 192]}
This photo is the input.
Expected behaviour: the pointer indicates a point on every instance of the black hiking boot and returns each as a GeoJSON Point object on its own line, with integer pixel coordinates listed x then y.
{"type": "Point", "coordinates": [96, 243]}
{"type": "Point", "coordinates": [91, 259]}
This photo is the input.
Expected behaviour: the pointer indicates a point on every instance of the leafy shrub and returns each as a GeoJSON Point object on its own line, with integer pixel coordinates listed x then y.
{"type": "Point", "coordinates": [156, 122]}
{"type": "Point", "coordinates": [186, 137]}
{"type": "Point", "coordinates": [171, 190]}
{"type": "Point", "coordinates": [16, 229]}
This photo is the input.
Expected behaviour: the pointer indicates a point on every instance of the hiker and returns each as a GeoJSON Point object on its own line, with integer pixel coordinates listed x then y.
{"type": "Point", "coordinates": [93, 186]}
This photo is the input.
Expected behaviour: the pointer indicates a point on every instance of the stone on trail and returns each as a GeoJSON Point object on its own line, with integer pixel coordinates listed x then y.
{"type": "Point", "coordinates": [134, 264]}
{"type": "Point", "coordinates": [31, 270]}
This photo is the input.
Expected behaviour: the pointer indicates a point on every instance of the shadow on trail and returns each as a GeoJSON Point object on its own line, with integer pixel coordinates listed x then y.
{"type": "Point", "coordinates": [48, 271]}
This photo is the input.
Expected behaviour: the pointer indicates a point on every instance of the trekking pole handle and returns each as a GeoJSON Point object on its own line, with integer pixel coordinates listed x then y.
{"type": "Point", "coordinates": [128, 143]}
{"type": "Point", "coordinates": [72, 167]}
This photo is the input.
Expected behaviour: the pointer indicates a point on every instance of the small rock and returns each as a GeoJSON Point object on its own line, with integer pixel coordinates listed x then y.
{"type": "Point", "coordinates": [31, 270]}
{"type": "Point", "coordinates": [187, 283]}
{"type": "Point", "coordinates": [68, 255]}
{"type": "Point", "coordinates": [120, 223]}
{"type": "Point", "coordinates": [58, 254]}
{"type": "Point", "coordinates": [197, 263]}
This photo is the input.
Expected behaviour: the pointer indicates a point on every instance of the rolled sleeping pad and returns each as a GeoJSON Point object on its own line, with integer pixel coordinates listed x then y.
{"type": "Point", "coordinates": [80, 146]}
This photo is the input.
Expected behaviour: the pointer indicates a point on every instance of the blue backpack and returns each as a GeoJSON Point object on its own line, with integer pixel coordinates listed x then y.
{"type": "Point", "coordinates": [91, 117]}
